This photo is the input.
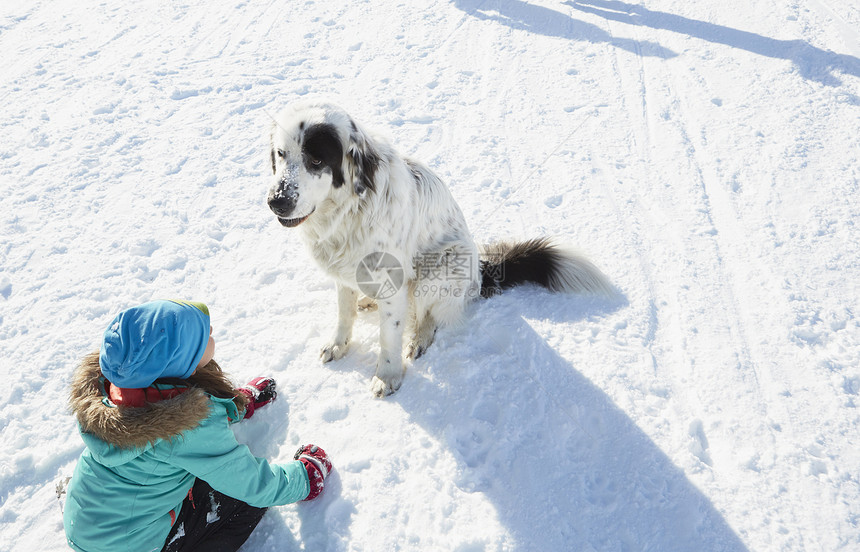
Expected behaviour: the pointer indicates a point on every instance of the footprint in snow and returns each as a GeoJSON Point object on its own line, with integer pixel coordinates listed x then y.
{"type": "Point", "coordinates": [699, 442]}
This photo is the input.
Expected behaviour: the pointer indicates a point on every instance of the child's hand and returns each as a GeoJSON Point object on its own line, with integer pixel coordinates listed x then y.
{"type": "Point", "coordinates": [318, 466]}
{"type": "Point", "coordinates": [260, 391]}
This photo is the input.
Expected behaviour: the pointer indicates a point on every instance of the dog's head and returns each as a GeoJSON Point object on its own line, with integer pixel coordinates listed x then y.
{"type": "Point", "coordinates": [318, 154]}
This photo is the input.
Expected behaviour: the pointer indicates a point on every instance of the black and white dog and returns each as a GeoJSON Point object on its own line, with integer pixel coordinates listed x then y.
{"type": "Point", "coordinates": [386, 226]}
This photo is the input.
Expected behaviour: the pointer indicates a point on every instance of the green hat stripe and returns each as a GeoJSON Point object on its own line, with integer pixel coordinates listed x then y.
{"type": "Point", "coordinates": [200, 306]}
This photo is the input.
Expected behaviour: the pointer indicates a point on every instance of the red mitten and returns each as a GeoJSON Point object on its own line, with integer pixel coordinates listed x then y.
{"type": "Point", "coordinates": [317, 465]}
{"type": "Point", "coordinates": [260, 391]}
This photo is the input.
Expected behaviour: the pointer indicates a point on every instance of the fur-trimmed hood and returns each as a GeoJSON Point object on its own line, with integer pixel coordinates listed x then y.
{"type": "Point", "coordinates": [127, 427]}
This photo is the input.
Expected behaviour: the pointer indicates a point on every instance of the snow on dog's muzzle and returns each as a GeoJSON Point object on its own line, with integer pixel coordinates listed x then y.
{"type": "Point", "coordinates": [284, 196]}
{"type": "Point", "coordinates": [282, 200]}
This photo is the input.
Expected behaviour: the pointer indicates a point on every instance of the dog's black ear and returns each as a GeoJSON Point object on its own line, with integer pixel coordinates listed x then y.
{"type": "Point", "coordinates": [364, 161]}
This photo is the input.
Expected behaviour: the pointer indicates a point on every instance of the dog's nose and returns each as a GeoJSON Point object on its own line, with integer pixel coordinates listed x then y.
{"type": "Point", "coordinates": [282, 200]}
{"type": "Point", "coordinates": [282, 206]}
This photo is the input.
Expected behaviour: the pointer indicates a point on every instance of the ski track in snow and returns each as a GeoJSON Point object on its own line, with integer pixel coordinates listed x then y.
{"type": "Point", "coordinates": [704, 155]}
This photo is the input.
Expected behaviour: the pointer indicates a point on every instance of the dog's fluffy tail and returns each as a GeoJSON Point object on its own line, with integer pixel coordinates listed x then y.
{"type": "Point", "coordinates": [539, 261]}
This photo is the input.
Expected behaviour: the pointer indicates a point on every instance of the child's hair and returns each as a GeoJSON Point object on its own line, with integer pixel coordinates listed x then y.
{"type": "Point", "coordinates": [211, 379]}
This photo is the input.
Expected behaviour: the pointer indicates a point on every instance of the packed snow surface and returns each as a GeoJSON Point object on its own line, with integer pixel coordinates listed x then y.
{"type": "Point", "coordinates": [705, 155]}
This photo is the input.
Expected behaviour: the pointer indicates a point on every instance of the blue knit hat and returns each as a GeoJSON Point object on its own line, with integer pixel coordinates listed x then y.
{"type": "Point", "coordinates": [161, 339]}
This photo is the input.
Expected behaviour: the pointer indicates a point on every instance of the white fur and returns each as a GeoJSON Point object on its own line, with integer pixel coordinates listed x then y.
{"type": "Point", "coordinates": [409, 213]}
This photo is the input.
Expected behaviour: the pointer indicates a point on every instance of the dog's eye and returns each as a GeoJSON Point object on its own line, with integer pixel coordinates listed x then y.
{"type": "Point", "coordinates": [281, 153]}
{"type": "Point", "coordinates": [315, 162]}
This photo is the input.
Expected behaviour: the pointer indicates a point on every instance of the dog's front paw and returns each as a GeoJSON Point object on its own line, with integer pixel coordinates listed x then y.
{"type": "Point", "coordinates": [381, 388]}
{"type": "Point", "coordinates": [334, 351]}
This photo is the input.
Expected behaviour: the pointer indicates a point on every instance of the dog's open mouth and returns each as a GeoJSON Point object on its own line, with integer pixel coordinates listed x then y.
{"type": "Point", "coordinates": [290, 223]}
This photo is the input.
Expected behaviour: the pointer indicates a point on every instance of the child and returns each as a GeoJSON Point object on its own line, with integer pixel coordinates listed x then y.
{"type": "Point", "coordinates": [162, 469]}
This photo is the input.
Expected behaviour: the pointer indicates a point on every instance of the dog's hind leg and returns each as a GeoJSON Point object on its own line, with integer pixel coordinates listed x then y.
{"type": "Point", "coordinates": [366, 304]}
{"type": "Point", "coordinates": [431, 313]}
{"type": "Point", "coordinates": [346, 313]}
{"type": "Point", "coordinates": [425, 333]}
{"type": "Point", "coordinates": [389, 367]}
{"type": "Point", "coordinates": [441, 301]}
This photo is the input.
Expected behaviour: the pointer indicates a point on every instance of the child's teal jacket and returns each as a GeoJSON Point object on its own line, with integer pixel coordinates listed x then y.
{"type": "Point", "coordinates": [125, 497]}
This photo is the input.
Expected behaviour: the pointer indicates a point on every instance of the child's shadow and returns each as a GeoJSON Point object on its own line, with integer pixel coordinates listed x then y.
{"type": "Point", "coordinates": [257, 433]}
{"type": "Point", "coordinates": [317, 532]}
{"type": "Point", "coordinates": [327, 519]}
{"type": "Point", "coordinates": [264, 432]}
{"type": "Point", "coordinates": [317, 529]}
{"type": "Point", "coordinates": [272, 534]}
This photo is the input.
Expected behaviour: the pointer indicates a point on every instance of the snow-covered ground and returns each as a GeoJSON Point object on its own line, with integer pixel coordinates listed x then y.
{"type": "Point", "coordinates": [706, 155]}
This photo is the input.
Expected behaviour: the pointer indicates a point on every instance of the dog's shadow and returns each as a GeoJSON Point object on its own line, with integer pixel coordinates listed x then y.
{"type": "Point", "coordinates": [563, 466]}
{"type": "Point", "coordinates": [533, 302]}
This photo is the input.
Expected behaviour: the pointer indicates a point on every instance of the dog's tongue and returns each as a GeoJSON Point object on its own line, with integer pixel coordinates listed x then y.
{"type": "Point", "coordinates": [290, 223]}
